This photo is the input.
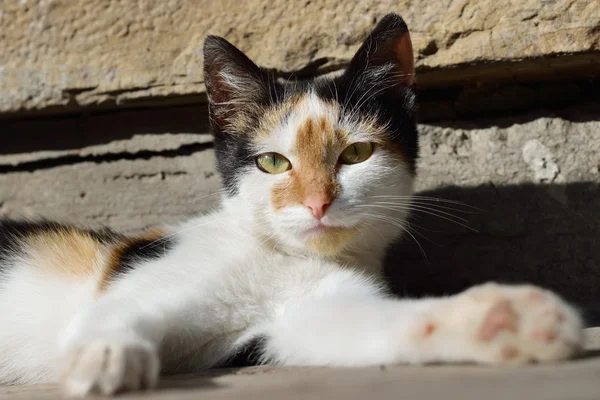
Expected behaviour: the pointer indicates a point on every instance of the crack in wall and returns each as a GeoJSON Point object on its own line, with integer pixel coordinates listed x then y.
{"type": "Point", "coordinates": [162, 175]}
{"type": "Point", "coordinates": [72, 159]}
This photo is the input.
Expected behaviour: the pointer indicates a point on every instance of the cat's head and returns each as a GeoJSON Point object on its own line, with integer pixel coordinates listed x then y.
{"type": "Point", "coordinates": [322, 163]}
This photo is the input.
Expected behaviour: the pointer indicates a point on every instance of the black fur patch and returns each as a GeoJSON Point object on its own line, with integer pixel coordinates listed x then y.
{"type": "Point", "coordinates": [132, 251]}
{"type": "Point", "coordinates": [233, 149]}
{"type": "Point", "coordinates": [233, 155]}
{"type": "Point", "coordinates": [375, 85]}
{"type": "Point", "coordinates": [139, 250]}
{"type": "Point", "coordinates": [229, 104]}
{"type": "Point", "coordinates": [247, 356]}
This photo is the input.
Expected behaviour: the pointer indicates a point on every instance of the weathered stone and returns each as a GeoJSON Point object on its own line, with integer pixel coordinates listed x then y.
{"type": "Point", "coordinates": [592, 338]}
{"type": "Point", "coordinates": [60, 55]}
{"type": "Point", "coordinates": [124, 170]}
{"type": "Point", "coordinates": [124, 194]}
{"type": "Point", "coordinates": [577, 379]}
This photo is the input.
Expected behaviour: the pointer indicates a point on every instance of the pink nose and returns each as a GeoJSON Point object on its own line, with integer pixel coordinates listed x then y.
{"type": "Point", "coordinates": [317, 204]}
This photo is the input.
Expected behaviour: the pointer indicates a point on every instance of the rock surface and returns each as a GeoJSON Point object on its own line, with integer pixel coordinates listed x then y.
{"type": "Point", "coordinates": [62, 55]}
{"type": "Point", "coordinates": [571, 380]}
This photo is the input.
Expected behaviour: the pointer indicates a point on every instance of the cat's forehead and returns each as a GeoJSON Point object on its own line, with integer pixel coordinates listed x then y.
{"type": "Point", "coordinates": [307, 120]}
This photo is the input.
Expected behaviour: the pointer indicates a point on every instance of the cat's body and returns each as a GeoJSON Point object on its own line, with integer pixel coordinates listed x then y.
{"type": "Point", "coordinates": [225, 290]}
{"type": "Point", "coordinates": [319, 177]}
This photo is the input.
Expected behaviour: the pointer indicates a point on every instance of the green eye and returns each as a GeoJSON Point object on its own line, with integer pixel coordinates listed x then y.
{"type": "Point", "coordinates": [356, 153]}
{"type": "Point", "coordinates": [273, 163]}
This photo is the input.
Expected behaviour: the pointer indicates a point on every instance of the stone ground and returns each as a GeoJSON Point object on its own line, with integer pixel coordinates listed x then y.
{"type": "Point", "coordinates": [573, 380]}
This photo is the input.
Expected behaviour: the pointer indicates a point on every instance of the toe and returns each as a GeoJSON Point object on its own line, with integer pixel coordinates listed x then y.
{"type": "Point", "coordinates": [501, 316]}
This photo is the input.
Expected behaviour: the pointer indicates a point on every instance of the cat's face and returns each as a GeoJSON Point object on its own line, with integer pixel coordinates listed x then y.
{"type": "Point", "coordinates": [325, 162]}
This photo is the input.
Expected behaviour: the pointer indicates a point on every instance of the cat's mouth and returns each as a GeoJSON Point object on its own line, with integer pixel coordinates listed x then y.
{"type": "Point", "coordinates": [321, 229]}
{"type": "Point", "coordinates": [318, 229]}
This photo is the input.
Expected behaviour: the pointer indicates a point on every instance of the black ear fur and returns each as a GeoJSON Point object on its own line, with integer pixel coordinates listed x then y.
{"type": "Point", "coordinates": [388, 46]}
{"type": "Point", "coordinates": [238, 91]}
{"type": "Point", "coordinates": [379, 82]}
{"type": "Point", "coordinates": [233, 82]}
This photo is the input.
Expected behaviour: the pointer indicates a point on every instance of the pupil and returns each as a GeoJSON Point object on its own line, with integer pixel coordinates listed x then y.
{"type": "Point", "coordinates": [355, 150]}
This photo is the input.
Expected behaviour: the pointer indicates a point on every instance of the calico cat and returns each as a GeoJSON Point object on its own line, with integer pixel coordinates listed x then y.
{"type": "Point", "coordinates": [317, 175]}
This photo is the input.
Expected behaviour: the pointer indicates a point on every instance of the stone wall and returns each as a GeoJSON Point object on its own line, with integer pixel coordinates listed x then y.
{"type": "Point", "coordinates": [103, 121]}
{"type": "Point", "coordinates": [65, 55]}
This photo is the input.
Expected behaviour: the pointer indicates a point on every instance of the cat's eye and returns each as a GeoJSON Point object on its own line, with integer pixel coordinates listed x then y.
{"type": "Point", "coordinates": [356, 153]}
{"type": "Point", "coordinates": [273, 163]}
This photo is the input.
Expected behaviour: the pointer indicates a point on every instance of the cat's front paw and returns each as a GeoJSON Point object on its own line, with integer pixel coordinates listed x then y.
{"type": "Point", "coordinates": [497, 324]}
{"type": "Point", "coordinates": [104, 367]}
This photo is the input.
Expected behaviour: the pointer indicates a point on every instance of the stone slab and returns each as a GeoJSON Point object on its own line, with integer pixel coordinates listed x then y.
{"type": "Point", "coordinates": [66, 55]}
{"type": "Point", "coordinates": [574, 380]}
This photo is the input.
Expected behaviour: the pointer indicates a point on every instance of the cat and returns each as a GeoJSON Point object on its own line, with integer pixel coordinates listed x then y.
{"type": "Point", "coordinates": [317, 177]}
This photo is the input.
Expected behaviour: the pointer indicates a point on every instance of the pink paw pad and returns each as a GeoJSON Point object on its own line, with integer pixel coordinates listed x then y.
{"type": "Point", "coordinates": [510, 352]}
{"type": "Point", "coordinates": [500, 317]}
{"type": "Point", "coordinates": [428, 329]}
{"type": "Point", "coordinates": [425, 329]}
{"type": "Point", "coordinates": [545, 336]}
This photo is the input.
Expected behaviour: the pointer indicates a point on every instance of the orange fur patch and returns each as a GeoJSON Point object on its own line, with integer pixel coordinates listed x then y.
{"type": "Point", "coordinates": [318, 143]}
{"type": "Point", "coordinates": [66, 251]}
{"type": "Point", "coordinates": [314, 173]}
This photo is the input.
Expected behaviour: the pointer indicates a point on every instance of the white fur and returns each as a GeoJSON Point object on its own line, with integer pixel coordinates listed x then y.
{"type": "Point", "coordinates": [242, 272]}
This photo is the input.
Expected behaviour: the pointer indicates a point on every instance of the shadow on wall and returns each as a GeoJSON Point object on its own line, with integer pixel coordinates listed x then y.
{"type": "Point", "coordinates": [76, 131]}
{"type": "Point", "coordinates": [546, 235]}
{"type": "Point", "coordinates": [580, 112]}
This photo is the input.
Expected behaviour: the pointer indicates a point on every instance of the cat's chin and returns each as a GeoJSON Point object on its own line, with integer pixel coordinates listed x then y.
{"type": "Point", "coordinates": [330, 240]}
{"type": "Point", "coordinates": [320, 229]}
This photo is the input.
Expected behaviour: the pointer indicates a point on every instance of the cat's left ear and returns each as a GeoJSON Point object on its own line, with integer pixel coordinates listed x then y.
{"type": "Point", "coordinates": [387, 51]}
{"type": "Point", "coordinates": [235, 85]}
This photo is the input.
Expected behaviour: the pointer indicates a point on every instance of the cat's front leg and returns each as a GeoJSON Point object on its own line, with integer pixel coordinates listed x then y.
{"type": "Point", "coordinates": [112, 347]}
{"type": "Point", "coordinates": [491, 324]}
{"type": "Point", "coordinates": [498, 324]}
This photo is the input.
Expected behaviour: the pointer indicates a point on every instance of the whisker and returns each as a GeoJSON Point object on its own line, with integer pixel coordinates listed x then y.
{"type": "Point", "coordinates": [426, 205]}
{"type": "Point", "coordinates": [425, 212]}
{"type": "Point", "coordinates": [401, 226]}
{"type": "Point", "coordinates": [220, 191]}
{"type": "Point", "coordinates": [427, 198]}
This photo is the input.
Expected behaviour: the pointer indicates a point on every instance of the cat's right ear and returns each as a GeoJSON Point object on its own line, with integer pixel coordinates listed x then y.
{"type": "Point", "coordinates": [236, 86]}
{"type": "Point", "coordinates": [386, 55]}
